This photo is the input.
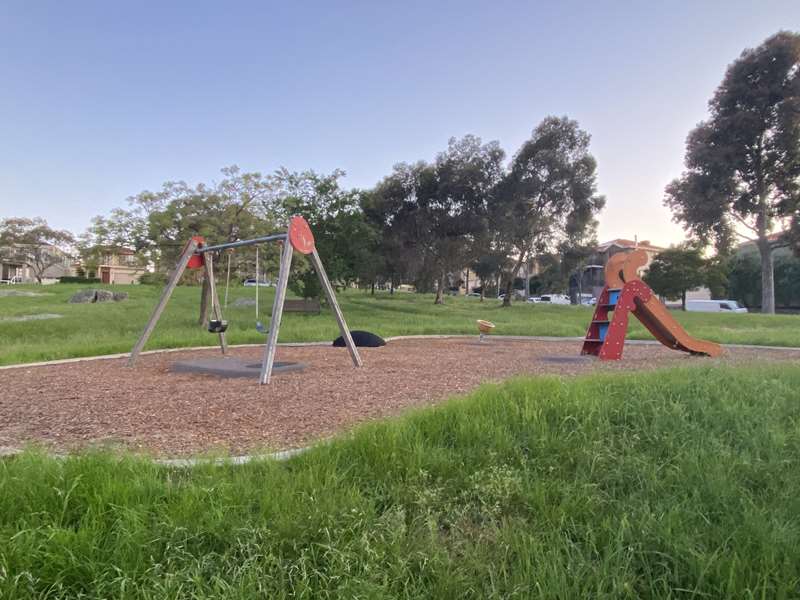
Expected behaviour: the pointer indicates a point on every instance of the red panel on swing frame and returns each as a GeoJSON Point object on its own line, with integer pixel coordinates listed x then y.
{"type": "Point", "coordinates": [300, 235]}
{"type": "Point", "coordinates": [196, 261]}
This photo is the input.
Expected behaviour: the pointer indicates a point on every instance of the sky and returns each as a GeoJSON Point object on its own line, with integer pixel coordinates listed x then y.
{"type": "Point", "coordinates": [101, 100]}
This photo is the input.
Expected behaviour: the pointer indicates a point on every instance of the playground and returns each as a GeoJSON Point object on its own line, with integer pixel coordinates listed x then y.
{"type": "Point", "coordinates": [152, 410]}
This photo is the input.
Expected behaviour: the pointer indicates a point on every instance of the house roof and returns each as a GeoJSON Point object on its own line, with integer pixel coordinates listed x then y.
{"type": "Point", "coordinates": [623, 243]}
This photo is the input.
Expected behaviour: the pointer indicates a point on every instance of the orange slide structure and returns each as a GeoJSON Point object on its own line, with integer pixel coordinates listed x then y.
{"type": "Point", "coordinates": [624, 294]}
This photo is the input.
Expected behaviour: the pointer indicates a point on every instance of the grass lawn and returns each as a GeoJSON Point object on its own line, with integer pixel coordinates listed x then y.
{"type": "Point", "coordinates": [93, 329]}
{"type": "Point", "coordinates": [681, 483]}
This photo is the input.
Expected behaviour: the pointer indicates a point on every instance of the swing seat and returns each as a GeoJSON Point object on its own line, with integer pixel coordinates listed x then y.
{"type": "Point", "coordinates": [217, 326]}
{"type": "Point", "coordinates": [261, 328]}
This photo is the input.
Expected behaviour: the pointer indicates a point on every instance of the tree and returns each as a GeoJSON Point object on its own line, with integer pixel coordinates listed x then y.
{"type": "Point", "coordinates": [158, 224]}
{"type": "Point", "coordinates": [675, 271]}
{"type": "Point", "coordinates": [743, 163]}
{"type": "Point", "coordinates": [489, 267]}
{"type": "Point", "coordinates": [548, 196]}
{"type": "Point", "coordinates": [343, 236]}
{"type": "Point", "coordinates": [438, 211]}
{"type": "Point", "coordinates": [34, 243]}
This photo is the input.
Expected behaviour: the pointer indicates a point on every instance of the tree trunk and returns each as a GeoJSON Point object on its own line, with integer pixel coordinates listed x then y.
{"type": "Point", "coordinates": [683, 301]}
{"type": "Point", "coordinates": [440, 290]}
{"type": "Point", "coordinates": [511, 278]}
{"type": "Point", "coordinates": [509, 287]}
{"type": "Point", "coordinates": [767, 277]}
{"type": "Point", "coordinates": [373, 288]}
{"type": "Point", "coordinates": [205, 297]}
{"type": "Point", "coordinates": [391, 285]}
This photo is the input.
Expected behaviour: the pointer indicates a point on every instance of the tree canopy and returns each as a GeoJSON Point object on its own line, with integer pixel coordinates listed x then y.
{"type": "Point", "coordinates": [743, 163]}
{"type": "Point", "coordinates": [549, 194]}
{"type": "Point", "coordinates": [675, 271]}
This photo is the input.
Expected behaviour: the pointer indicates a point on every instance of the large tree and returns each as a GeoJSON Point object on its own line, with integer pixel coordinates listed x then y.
{"type": "Point", "coordinates": [675, 271]}
{"type": "Point", "coordinates": [438, 211]}
{"type": "Point", "coordinates": [346, 241]}
{"type": "Point", "coordinates": [743, 163]}
{"type": "Point", "coordinates": [34, 243]}
{"type": "Point", "coordinates": [549, 195]}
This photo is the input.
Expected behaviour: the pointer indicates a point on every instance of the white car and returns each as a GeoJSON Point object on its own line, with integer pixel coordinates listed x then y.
{"type": "Point", "coordinates": [714, 306]}
{"type": "Point", "coordinates": [534, 300]}
{"type": "Point", "coordinates": [555, 298]}
{"type": "Point", "coordinates": [253, 283]}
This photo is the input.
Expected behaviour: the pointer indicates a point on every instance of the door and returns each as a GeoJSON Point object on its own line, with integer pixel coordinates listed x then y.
{"type": "Point", "coordinates": [105, 275]}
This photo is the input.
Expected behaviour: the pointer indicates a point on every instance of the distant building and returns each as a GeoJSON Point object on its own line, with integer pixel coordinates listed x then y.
{"type": "Point", "coordinates": [608, 249]}
{"type": "Point", "coordinates": [15, 265]}
{"type": "Point", "coordinates": [593, 278]}
{"type": "Point", "coordinates": [119, 266]}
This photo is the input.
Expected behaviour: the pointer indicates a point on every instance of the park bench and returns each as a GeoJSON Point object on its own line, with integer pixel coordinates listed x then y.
{"type": "Point", "coordinates": [308, 306]}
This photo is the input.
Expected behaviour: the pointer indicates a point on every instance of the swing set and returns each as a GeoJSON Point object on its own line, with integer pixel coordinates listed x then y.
{"type": "Point", "coordinates": [196, 255]}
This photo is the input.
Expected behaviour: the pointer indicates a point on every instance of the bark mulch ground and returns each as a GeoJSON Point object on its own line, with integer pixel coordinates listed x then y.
{"type": "Point", "coordinates": [151, 410]}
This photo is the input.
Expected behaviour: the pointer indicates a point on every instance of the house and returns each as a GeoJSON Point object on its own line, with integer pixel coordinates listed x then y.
{"type": "Point", "coordinates": [119, 266]}
{"type": "Point", "coordinates": [16, 264]}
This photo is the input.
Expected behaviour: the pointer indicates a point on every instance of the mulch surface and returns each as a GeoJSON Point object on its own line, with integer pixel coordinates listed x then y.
{"type": "Point", "coordinates": [151, 410]}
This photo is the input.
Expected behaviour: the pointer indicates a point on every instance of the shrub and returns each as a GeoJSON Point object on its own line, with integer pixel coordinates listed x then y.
{"type": "Point", "coordinates": [71, 279]}
{"type": "Point", "coordinates": [153, 278]}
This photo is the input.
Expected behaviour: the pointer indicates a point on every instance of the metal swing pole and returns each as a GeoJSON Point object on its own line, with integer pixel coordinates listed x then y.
{"type": "Point", "coordinates": [337, 312]}
{"type": "Point", "coordinates": [180, 267]}
{"type": "Point", "coordinates": [277, 313]}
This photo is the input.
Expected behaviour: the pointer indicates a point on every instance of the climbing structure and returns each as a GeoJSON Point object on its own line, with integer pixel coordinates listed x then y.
{"type": "Point", "coordinates": [625, 294]}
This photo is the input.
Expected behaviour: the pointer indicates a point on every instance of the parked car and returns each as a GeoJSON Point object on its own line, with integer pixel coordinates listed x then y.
{"type": "Point", "coordinates": [262, 283]}
{"type": "Point", "coordinates": [13, 280]}
{"type": "Point", "coordinates": [714, 306]}
{"type": "Point", "coordinates": [473, 295]}
{"type": "Point", "coordinates": [534, 299]}
{"type": "Point", "coordinates": [555, 298]}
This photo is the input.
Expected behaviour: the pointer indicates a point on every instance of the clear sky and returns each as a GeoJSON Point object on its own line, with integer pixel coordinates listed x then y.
{"type": "Point", "coordinates": [100, 100]}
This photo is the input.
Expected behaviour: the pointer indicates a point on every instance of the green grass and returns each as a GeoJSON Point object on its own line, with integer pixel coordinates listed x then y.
{"type": "Point", "coordinates": [88, 330]}
{"type": "Point", "coordinates": [681, 483]}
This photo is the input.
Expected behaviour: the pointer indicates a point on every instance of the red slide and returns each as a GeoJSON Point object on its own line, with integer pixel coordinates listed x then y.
{"type": "Point", "coordinates": [626, 294]}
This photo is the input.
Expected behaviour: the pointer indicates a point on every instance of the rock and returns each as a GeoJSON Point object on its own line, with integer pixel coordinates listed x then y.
{"type": "Point", "coordinates": [93, 295]}
{"type": "Point", "coordinates": [103, 296]}
{"type": "Point", "coordinates": [362, 339]}
{"type": "Point", "coordinates": [244, 302]}
{"type": "Point", "coordinates": [83, 297]}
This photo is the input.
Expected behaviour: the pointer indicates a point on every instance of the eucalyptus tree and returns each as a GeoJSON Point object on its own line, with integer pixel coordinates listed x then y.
{"type": "Point", "coordinates": [439, 212]}
{"type": "Point", "coordinates": [549, 194]}
{"type": "Point", "coordinates": [743, 163]}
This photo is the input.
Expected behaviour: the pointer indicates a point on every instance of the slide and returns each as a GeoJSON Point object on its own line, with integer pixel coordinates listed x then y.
{"type": "Point", "coordinates": [625, 294]}
{"type": "Point", "coordinates": [658, 321]}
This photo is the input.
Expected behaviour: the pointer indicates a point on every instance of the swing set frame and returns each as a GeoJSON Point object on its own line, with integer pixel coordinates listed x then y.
{"type": "Point", "coordinates": [197, 255]}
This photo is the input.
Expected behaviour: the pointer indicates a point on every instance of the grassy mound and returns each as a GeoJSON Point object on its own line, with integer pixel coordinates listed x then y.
{"type": "Point", "coordinates": [681, 483]}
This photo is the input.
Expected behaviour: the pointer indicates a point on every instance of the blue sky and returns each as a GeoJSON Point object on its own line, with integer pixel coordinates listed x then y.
{"type": "Point", "coordinates": [100, 100]}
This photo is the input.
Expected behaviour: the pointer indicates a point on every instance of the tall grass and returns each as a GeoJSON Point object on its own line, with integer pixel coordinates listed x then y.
{"type": "Point", "coordinates": [681, 483]}
{"type": "Point", "coordinates": [94, 329]}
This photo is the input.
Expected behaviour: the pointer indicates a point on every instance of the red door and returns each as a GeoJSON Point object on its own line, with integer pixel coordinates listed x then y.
{"type": "Point", "coordinates": [105, 275]}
